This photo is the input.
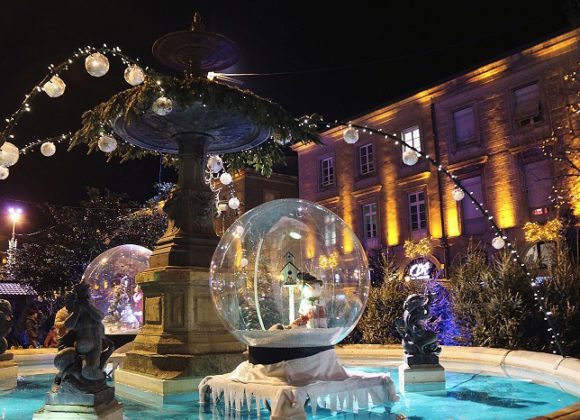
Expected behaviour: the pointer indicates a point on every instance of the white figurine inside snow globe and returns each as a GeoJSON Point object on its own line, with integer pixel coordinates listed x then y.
{"type": "Point", "coordinates": [289, 274]}
{"type": "Point", "coordinates": [111, 276]}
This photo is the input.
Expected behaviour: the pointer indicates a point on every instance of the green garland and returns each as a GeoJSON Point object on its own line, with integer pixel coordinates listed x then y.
{"type": "Point", "coordinates": [184, 93]}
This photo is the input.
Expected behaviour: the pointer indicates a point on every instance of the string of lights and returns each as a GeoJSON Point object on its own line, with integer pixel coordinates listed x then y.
{"type": "Point", "coordinates": [351, 135]}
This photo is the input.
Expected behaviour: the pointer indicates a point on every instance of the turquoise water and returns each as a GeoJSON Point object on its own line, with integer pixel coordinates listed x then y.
{"type": "Point", "coordinates": [469, 396]}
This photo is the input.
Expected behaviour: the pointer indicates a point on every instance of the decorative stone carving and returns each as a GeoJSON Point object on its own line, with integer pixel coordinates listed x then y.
{"type": "Point", "coordinates": [417, 340]}
{"type": "Point", "coordinates": [5, 323]}
{"type": "Point", "coordinates": [84, 349]}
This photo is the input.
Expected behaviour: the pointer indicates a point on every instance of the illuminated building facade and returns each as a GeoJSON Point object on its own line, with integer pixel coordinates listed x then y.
{"type": "Point", "coordinates": [485, 125]}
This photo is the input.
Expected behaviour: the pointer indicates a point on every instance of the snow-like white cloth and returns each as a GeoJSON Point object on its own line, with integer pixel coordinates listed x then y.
{"type": "Point", "coordinates": [289, 385]}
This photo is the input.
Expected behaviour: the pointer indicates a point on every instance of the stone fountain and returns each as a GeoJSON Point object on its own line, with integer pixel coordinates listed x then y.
{"type": "Point", "coordinates": [421, 371]}
{"type": "Point", "coordinates": [183, 339]}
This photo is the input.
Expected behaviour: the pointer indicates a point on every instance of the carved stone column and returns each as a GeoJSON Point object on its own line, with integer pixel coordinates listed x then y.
{"type": "Point", "coordinates": [182, 336]}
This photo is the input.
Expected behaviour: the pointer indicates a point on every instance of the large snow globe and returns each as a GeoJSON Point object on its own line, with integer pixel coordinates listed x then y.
{"type": "Point", "coordinates": [289, 274]}
{"type": "Point", "coordinates": [111, 277]}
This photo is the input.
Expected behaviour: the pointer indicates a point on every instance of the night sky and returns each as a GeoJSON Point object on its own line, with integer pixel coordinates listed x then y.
{"type": "Point", "coordinates": [343, 59]}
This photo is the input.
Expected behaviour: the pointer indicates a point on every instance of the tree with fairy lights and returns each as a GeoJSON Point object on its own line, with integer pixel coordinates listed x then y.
{"type": "Point", "coordinates": [54, 259]}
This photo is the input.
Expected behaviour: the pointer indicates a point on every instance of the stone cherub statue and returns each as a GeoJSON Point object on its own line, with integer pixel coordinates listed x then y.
{"type": "Point", "coordinates": [5, 323]}
{"type": "Point", "coordinates": [416, 339]}
{"type": "Point", "coordinates": [84, 349]}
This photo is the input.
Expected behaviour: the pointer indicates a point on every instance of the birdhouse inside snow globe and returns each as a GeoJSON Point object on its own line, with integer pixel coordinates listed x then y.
{"type": "Point", "coordinates": [289, 274]}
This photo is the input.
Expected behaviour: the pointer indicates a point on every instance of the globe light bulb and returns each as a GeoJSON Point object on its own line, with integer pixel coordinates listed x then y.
{"type": "Point", "coordinates": [54, 87]}
{"type": "Point", "coordinates": [215, 164]}
{"type": "Point", "coordinates": [107, 143]}
{"type": "Point", "coordinates": [97, 65]}
{"type": "Point", "coordinates": [4, 172]}
{"type": "Point", "coordinates": [134, 75]}
{"type": "Point", "coordinates": [457, 194]}
{"type": "Point", "coordinates": [234, 203]}
{"type": "Point", "coordinates": [226, 178]}
{"type": "Point", "coordinates": [162, 106]}
{"type": "Point", "coordinates": [350, 135]}
{"type": "Point", "coordinates": [9, 154]}
{"type": "Point", "coordinates": [410, 157]}
{"type": "Point", "coordinates": [498, 242]}
{"type": "Point", "coordinates": [48, 148]}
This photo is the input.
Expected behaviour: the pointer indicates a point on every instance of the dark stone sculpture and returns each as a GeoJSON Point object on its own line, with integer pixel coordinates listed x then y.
{"type": "Point", "coordinates": [83, 354]}
{"type": "Point", "coordinates": [5, 323]}
{"type": "Point", "coordinates": [418, 342]}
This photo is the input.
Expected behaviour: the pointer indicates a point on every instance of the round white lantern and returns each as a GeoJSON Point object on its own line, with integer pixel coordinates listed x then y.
{"type": "Point", "coordinates": [410, 157]}
{"type": "Point", "coordinates": [350, 135]}
{"type": "Point", "coordinates": [54, 87]}
{"type": "Point", "coordinates": [226, 178]}
{"type": "Point", "coordinates": [97, 64]}
{"type": "Point", "coordinates": [107, 143]}
{"type": "Point", "coordinates": [9, 154]}
{"type": "Point", "coordinates": [111, 278]}
{"type": "Point", "coordinates": [134, 75]}
{"type": "Point", "coordinates": [290, 289]}
{"type": "Point", "coordinates": [162, 106]}
{"type": "Point", "coordinates": [498, 242]}
{"type": "Point", "coordinates": [4, 172]}
{"type": "Point", "coordinates": [215, 164]}
{"type": "Point", "coordinates": [234, 203]}
{"type": "Point", "coordinates": [48, 148]}
{"type": "Point", "coordinates": [457, 194]}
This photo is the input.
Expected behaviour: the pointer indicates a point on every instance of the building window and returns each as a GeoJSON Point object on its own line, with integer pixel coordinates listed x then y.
{"type": "Point", "coordinates": [366, 159]}
{"type": "Point", "coordinates": [538, 186]}
{"type": "Point", "coordinates": [474, 220]}
{"type": "Point", "coordinates": [528, 107]}
{"type": "Point", "coordinates": [464, 121]}
{"type": "Point", "coordinates": [327, 172]}
{"type": "Point", "coordinates": [417, 211]}
{"type": "Point", "coordinates": [329, 230]}
{"type": "Point", "coordinates": [412, 137]}
{"type": "Point", "coordinates": [370, 225]}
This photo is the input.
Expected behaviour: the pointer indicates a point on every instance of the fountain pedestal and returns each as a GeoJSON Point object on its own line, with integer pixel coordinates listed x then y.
{"type": "Point", "coordinates": [100, 405]}
{"type": "Point", "coordinates": [8, 372]}
{"type": "Point", "coordinates": [182, 339]}
{"type": "Point", "coordinates": [422, 373]}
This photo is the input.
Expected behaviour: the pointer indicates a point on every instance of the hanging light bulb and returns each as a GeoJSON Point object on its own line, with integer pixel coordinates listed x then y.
{"type": "Point", "coordinates": [4, 172]}
{"type": "Point", "coordinates": [107, 143]}
{"type": "Point", "coordinates": [457, 194]}
{"type": "Point", "coordinates": [9, 154]}
{"type": "Point", "coordinates": [48, 148]}
{"type": "Point", "coordinates": [350, 135]}
{"type": "Point", "coordinates": [498, 242]}
{"type": "Point", "coordinates": [162, 106]}
{"type": "Point", "coordinates": [244, 262]}
{"type": "Point", "coordinates": [215, 164]}
{"type": "Point", "coordinates": [134, 75]}
{"type": "Point", "coordinates": [54, 87]}
{"type": "Point", "coordinates": [234, 203]}
{"type": "Point", "coordinates": [410, 157]}
{"type": "Point", "coordinates": [97, 65]}
{"type": "Point", "coordinates": [226, 178]}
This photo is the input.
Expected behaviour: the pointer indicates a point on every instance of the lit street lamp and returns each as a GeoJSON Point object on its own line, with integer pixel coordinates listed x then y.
{"type": "Point", "coordinates": [15, 214]}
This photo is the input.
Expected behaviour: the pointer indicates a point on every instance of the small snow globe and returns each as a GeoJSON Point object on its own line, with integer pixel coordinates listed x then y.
{"type": "Point", "coordinates": [111, 277]}
{"type": "Point", "coordinates": [288, 274]}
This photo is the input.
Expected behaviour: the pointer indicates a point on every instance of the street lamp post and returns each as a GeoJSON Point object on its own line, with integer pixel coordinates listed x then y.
{"type": "Point", "coordinates": [15, 214]}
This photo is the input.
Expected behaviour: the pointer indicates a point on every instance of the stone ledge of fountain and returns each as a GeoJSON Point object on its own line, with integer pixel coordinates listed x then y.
{"type": "Point", "coordinates": [549, 369]}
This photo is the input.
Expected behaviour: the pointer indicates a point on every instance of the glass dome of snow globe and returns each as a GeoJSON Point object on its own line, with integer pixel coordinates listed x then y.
{"type": "Point", "coordinates": [111, 277]}
{"type": "Point", "coordinates": [289, 274]}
